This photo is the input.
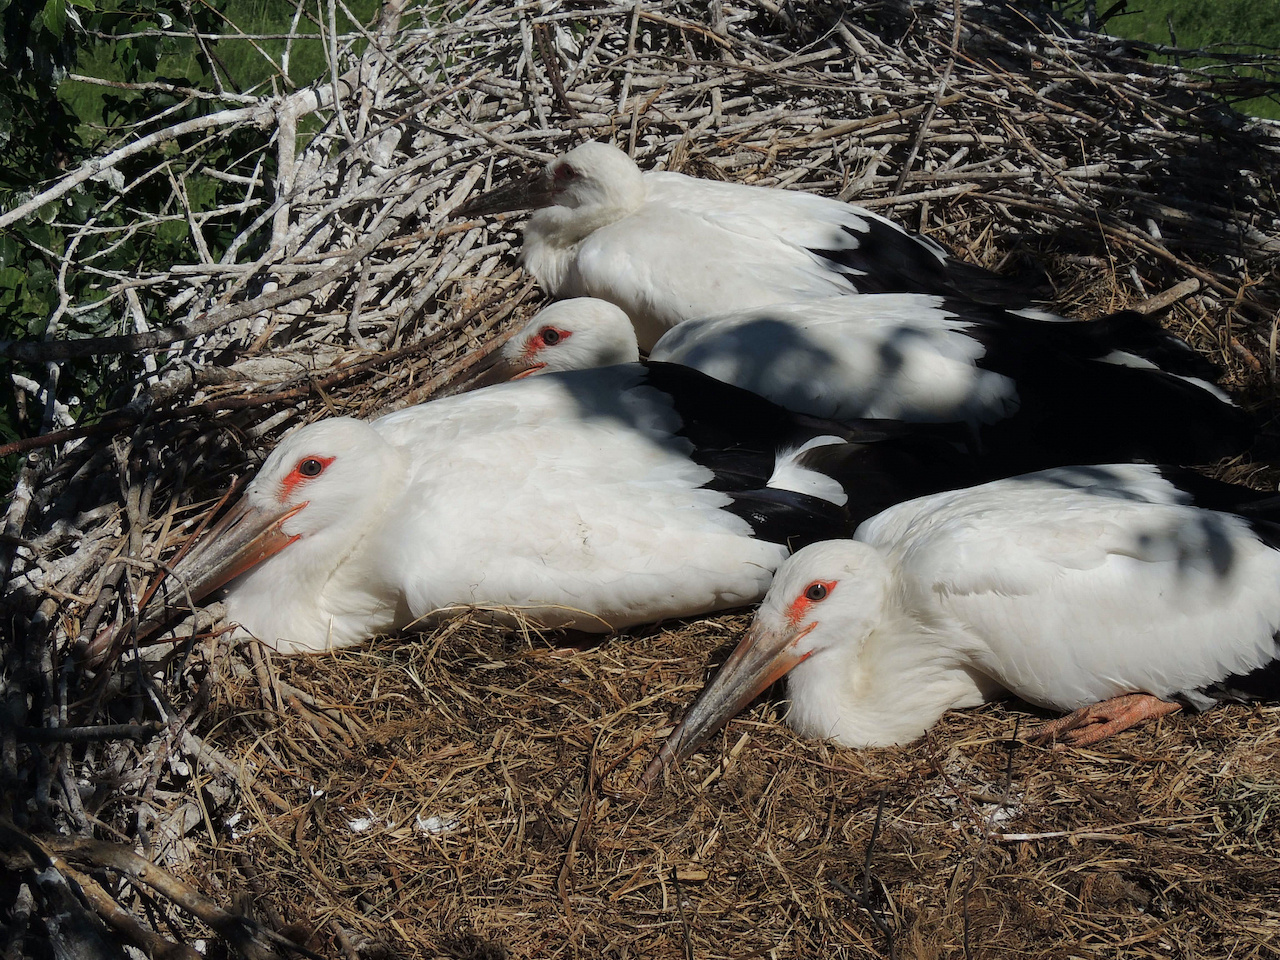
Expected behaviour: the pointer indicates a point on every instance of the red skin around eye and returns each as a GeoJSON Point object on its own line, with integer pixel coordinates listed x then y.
{"type": "Point", "coordinates": [295, 477]}
{"type": "Point", "coordinates": [538, 342]}
{"type": "Point", "coordinates": [800, 605]}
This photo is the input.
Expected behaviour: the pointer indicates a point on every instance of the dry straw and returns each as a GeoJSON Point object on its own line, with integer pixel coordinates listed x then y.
{"type": "Point", "coordinates": [469, 793]}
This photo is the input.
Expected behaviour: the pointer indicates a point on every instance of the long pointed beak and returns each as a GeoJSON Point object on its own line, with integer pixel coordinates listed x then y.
{"type": "Point", "coordinates": [760, 659]}
{"type": "Point", "coordinates": [526, 193]}
{"type": "Point", "coordinates": [500, 369]}
{"type": "Point", "coordinates": [244, 537]}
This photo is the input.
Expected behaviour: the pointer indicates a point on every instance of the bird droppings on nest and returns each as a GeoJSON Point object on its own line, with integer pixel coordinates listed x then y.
{"type": "Point", "coordinates": [237, 771]}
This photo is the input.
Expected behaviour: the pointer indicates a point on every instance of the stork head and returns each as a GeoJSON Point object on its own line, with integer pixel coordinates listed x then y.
{"type": "Point", "coordinates": [321, 489]}
{"type": "Point", "coordinates": [572, 334]}
{"type": "Point", "coordinates": [596, 181]}
{"type": "Point", "coordinates": [824, 603]}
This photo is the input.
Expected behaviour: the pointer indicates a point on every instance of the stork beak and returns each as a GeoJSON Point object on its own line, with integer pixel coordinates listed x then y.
{"type": "Point", "coordinates": [500, 369]}
{"type": "Point", "coordinates": [760, 659]}
{"type": "Point", "coordinates": [527, 193]}
{"type": "Point", "coordinates": [244, 537]}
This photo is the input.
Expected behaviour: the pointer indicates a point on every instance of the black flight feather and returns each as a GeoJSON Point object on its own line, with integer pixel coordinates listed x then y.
{"type": "Point", "coordinates": [792, 519]}
{"type": "Point", "coordinates": [1012, 340]}
{"type": "Point", "coordinates": [738, 436]}
{"type": "Point", "coordinates": [1086, 411]}
{"type": "Point", "coordinates": [886, 259]}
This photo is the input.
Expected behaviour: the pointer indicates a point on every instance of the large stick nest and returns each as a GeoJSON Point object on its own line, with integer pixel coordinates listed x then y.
{"type": "Point", "coordinates": [468, 793]}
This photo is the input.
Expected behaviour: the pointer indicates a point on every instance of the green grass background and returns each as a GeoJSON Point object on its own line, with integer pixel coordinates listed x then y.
{"type": "Point", "coordinates": [251, 66]}
{"type": "Point", "coordinates": [1238, 26]}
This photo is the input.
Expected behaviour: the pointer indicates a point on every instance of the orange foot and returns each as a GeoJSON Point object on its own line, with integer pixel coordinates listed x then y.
{"type": "Point", "coordinates": [1100, 720]}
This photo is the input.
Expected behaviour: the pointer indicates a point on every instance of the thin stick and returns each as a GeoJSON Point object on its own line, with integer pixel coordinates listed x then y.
{"type": "Point", "coordinates": [933, 104]}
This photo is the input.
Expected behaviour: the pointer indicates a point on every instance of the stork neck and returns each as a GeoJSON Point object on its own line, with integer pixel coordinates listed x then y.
{"type": "Point", "coordinates": [554, 233]}
{"type": "Point", "coordinates": [324, 590]}
{"type": "Point", "coordinates": [889, 692]}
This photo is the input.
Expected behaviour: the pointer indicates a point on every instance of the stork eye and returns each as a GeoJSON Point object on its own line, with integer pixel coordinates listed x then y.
{"type": "Point", "coordinates": [550, 336]}
{"type": "Point", "coordinates": [565, 173]}
{"type": "Point", "coordinates": [816, 591]}
{"type": "Point", "coordinates": [311, 467]}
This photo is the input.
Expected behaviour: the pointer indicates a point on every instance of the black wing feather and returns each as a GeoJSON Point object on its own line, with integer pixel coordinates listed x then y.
{"type": "Point", "coordinates": [1012, 341]}
{"type": "Point", "coordinates": [1085, 411]}
{"type": "Point", "coordinates": [888, 259]}
{"type": "Point", "coordinates": [1261, 683]}
{"type": "Point", "coordinates": [738, 434]}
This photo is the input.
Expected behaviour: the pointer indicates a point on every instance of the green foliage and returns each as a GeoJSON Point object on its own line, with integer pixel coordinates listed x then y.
{"type": "Point", "coordinates": [35, 52]}
{"type": "Point", "coordinates": [129, 223]}
{"type": "Point", "coordinates": [1246, 27]}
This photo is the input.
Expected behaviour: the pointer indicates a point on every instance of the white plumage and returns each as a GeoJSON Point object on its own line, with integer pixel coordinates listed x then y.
{"type": "Point", "coordinates": [575, 334]}
{"type": "Point", "coordinates": [897, 356]}
{"type": "Point", "coordinates": [1067, 587]}
{"type": "Point", "coordinates": [1061, 391]}
{"type": "Point", "coordinates": [666, 247]}
{"type": "Point", "coordinates": [591, 500]}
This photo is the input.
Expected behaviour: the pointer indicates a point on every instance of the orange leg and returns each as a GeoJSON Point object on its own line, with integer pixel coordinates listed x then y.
{"type": "Point", "coordinates": [1100, 720]}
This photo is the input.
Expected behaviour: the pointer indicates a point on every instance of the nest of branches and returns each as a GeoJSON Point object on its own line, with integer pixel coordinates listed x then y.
{"type": "Point", "coordinates": [469, 793]}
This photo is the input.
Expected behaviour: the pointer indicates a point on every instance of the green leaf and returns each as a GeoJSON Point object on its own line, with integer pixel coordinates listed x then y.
{"type": "Point", "coordinates": [38, 305]}
{"type": "Point", "coordinates": [148, 48]}
{"type": "Point", "coordinates": [12, 282]}
{"type": "Point", "coordinates": [83, 4]}
{"type": "Point", "coordinates": [54, 16]}
{"type": "Point", "coordinates": [10, 252]}
{"type": "Point", "coordinates": [173, 231]}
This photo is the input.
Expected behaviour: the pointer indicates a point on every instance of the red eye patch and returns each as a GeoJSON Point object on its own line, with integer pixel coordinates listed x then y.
{"type": "Point", "coordinates": [546, 337]}
{"type": "Point", "coordinates": [308, 468]}
{"type": "Point", "coordinates": [815, 592]}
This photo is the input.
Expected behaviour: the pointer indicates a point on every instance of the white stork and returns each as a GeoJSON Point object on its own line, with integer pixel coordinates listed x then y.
{"type": "Point", "coordinates": [1037, 389]}
{"type": "Point", "coordinates": [666, 247]}
{"type": "Point", "coordinates": [1118, 592]}
{"type": "Point", "coordinates": [592, 500]}
{"type": "Point", "coordinates": [576, 334]}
